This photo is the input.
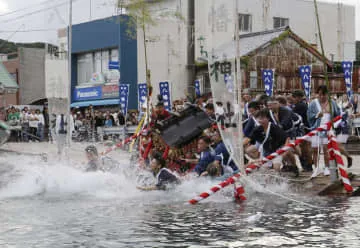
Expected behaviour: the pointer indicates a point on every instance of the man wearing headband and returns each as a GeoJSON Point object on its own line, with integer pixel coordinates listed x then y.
{"type": "Point", "coordinates": [268, 136]}
{"type": "Point", "coordinates": [163, 176]}
{"type": "Point", "coordinates": [283, 117]}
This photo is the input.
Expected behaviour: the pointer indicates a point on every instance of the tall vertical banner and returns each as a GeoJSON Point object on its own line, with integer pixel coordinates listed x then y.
{"type": "Point", "coordinates": [142, 96]}
{"type": "Point", "coordinates": [124, 97]}
{"type": "Point", "coordinates": [165, 93]}
{"type": "Point", "coordinates": [305, 74]}
{"type": "Point", "coordinates": [347, 67]}
{"type": "Point", "coordinates": [268, 80]}
{"type": "Point", "coordinates": [197, 88]}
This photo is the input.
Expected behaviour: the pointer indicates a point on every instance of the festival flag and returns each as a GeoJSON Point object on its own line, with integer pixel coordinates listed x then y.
{"type": "Point", "coordinates": [305, 74]}
{"type": "Point", "coordinates": [124, 97]}
{"type": "Point", "coordinates": [142, 96]}
{"type": "Point", "coordinates": [268, 80]}
{"type": "Point", "coordinates": [347, 69]}
{"type": "Point", "coordinates": [197, 88]}
{"type": "Point", "coordinates": [165, 93]}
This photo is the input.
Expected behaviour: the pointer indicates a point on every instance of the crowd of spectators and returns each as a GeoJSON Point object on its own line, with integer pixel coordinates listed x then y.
{"type": "Point", "coordinates": [28, 124]}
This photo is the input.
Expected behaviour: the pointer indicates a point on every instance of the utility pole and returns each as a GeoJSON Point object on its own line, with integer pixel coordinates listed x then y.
{"type": "Point", "coordinates": [191, 47]}
{"type": "Point", "coordinates": [90, 9]}
{"type": "Point", "coordinates": [69, 76]}
{"type": "Point", "coordinates": [238, 85]}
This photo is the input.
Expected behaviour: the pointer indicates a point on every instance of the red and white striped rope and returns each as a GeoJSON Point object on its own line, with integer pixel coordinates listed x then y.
{"type": "Point", "coordinates": [239, 192]}
{"type": "Point", "coordinates": [290, 146]}
{"type": "Point", "coordinates": [253, 167]}
{"type": "Point", "coordinates": [120, 144]}
{"type": "Point", "coordinates": [231, 180]}
{"type": "Point", "coordinates": [335, 154]}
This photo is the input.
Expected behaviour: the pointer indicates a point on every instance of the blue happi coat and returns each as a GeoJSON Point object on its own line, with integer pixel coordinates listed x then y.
{"type": "Point", "coordinates": [206, 157]}
{"type": "Point", "coordinates": [222, 155]}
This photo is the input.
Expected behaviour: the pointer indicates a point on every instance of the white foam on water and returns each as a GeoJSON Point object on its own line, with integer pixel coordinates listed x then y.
{"type": "Point", "coordinates": [264, 241]}
{"type": "Point", "coordinates": [26, 176]}
{"type": "Point", "coordinates": [254, 218]}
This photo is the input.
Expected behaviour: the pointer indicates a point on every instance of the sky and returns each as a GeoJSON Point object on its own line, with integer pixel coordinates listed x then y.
{"type": "Point", "coordinates": [38, 20]}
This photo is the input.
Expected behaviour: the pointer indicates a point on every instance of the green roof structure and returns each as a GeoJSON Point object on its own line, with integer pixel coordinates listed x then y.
{"type": "Point", "coordinates": [6, 79]}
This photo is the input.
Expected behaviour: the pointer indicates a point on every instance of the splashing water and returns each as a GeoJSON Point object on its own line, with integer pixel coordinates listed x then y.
{"type": "Point", "coordinates": [70, 208]}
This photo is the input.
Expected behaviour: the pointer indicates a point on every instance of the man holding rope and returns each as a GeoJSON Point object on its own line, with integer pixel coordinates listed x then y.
{"type": "Point", "coordinates": [268, 136]}
{"type": "Point", "coordinates": [321, 111]}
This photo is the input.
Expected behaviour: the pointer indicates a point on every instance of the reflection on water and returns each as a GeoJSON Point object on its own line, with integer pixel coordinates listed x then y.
{"type": "Point", "coordinates": [53, 205]}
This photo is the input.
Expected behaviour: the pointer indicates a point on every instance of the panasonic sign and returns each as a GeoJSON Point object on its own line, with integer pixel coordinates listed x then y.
{"type": "Point", "coordinates": [87, 94]}
{"type": "Point", "coordinates": [90, 93]}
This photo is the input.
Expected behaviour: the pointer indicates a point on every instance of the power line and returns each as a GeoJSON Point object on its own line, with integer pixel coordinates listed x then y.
{"type": "Point", "coordinates": [26, 8]}
{"type": "Point", "coordinates": [36, 12]}
{"type": "Point", "coordinates": [29, 30]}
{"type": "Point", "coordinates": [11, 35]}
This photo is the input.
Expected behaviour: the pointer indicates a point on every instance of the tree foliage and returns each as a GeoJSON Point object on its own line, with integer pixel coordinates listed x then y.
{"type": "Point", "coordinates": [143, 14]}
{"type": "Point", "coordinates": [7, 47]}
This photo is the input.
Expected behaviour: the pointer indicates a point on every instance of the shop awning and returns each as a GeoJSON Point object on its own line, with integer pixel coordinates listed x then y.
{"type": "Point", "coordinates": [96, 103]}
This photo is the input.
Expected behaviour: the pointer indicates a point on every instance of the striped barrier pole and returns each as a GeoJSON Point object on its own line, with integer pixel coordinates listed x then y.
{"type": "Point", "coordinates": [216, 188]}
{"type": "Point", "coordinates": [335, 154]}
{"type": "Point", "coordinates": [290, 146]}
{"type": "Point", "coordinates": [120, 144]}
{"type": "Point", "coordinates": [239, 192]}
{"type": "Point", "coordinates": [147, 151]}
{"type": "Point", "coordinates": [253, 167]}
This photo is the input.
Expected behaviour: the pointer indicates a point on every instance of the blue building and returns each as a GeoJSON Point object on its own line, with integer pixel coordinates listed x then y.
{"type": "Point", "coordinates": [95, 46]}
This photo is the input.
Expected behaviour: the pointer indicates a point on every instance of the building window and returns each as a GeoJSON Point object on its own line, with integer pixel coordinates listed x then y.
{"type": "Point", "coordinates": [253, 80]}
{"type": "Point", "coordinates": [95, 62]}
{"type": "Point", "coordinates": [114, 53]}
{"type": "Point", "coordinates": [85, 67]}
{"type": "Point", "coordinates": [105, 58]}
{"type": "Point", "coordinates": [280, 22]}
{"type": "Point", "coordinates": [245, 23]}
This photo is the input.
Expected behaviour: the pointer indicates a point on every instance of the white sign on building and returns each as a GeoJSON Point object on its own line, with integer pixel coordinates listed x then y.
{"type": "Point", "coordinates": [56, 78]}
